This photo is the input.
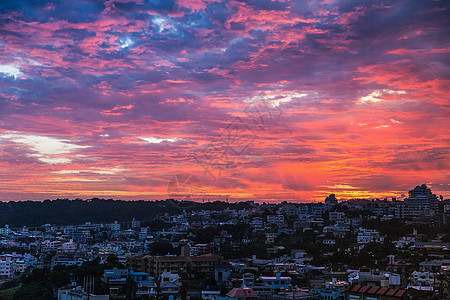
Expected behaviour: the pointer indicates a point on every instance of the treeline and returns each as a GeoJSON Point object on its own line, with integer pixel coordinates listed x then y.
{"type": "Point", "coordinates": [78, 211]}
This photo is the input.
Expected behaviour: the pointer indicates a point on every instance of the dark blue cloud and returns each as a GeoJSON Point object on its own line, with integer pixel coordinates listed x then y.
{"type": "Point", "coordinates": [73, 33]}
{"type": "Point", "coordinates": [162, 5]}
{"type": "Point", "coordinates": [218, 12]}
{"type": "Point", "coordinates": [267, 4]}
{"type": "Point", "coordinates": [47, 11]}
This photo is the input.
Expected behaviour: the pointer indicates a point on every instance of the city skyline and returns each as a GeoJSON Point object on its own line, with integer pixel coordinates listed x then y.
{"type": "Point", "coordinates": [246, 100]}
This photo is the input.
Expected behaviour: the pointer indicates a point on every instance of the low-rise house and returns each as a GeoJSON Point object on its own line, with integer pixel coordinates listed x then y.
{"type": "Point", "coordinates": [368, 236]}
{"type": "Point", "coordinates": [79, 294]}
{"type": "Point", "coordinates": [68, 261]}
{"type": "Point", "coordinates": [222, 273]}
{"type": "Point", "coordinates": [366, 276]}
{"type": "Point", "coordinates": [277, 281]}
{"type": "Point", "coordinates": [210, 295]}
{"type": "Point", "coordinates": [276, 219]}
{"type": "Point", "coordinates": [144, 284]}
{"type": "Point", "coordinates": [363, 292]}
{"type": "Point", "coordinates": [316, 278]}
{"type": "Point", "coordinates": [170, 284]}
{"type": "Point", "coordinates": [242, 293]}
{"type": "Point", "coordinates": [329, 242]}
{"type": "Point", "coordinates": [257, 223]}
{"type": "Point", "coordinates": [116, 281]}
{"type": "Point", "coordinates": [329, 293]}
{"type": "Point", "coordinates": [422, 278]}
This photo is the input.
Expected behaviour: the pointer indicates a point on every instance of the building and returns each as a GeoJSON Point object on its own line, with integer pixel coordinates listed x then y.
{"type": "Point", "coordinates": [275, 219]}
{"type": "Point", "coordinates": [6, 266]}
{"type": "Point", "coordinates": [422, 278]}
{"type": "Point", "coordinates": [329, 242]}
{"type": "Point", "coordinates": [336, 216]}
{"type": "Point", "coordinates": [143, 284]}
{"type": "Point", "coordinates": [5, 230]}
{"type": "Point", "coordinates": [79, 294]}
{"type": "Point", "coordinates": [264, 291]}
{"type": "Point", "coordinates": [183, 264]}
{"type": "Point", "coordinates": [222, 273]}
{"type": "Point", "coordinates": [248, 279]}
{"type": "Point", "coordinates": [135, 224]}
{"type": "Point", "coordinates": [421, 202]}
{"type": "Point", "coordinates": [368, 236]}
{"type": "Point", "coordinates": [329, 293]}
{"type": "Point", "coordinates": [242, 293]}
{"type": "Point", "coordinates": [270, 237]}
{"type": "Point", "coordinates": [67, 261]}
{"type": "Point", "coordinates": [363, 292]}
{"type": "Point", "coordinates": [277, 282]}
{"type": "Point", "coordinates": [331, 200]}
{"type": "Point", "coordinates": [115, 226]}
{"type": "Point", "coordinates": [170, 284]}
{"type": "Point", "coordinates": [316, 278]}
{"type": "Point", "coordinates": [210, 295]}
{"type": "Point", "coordinates": [116, 281]}
{"type": "Point", "coordinates": [257, 223]}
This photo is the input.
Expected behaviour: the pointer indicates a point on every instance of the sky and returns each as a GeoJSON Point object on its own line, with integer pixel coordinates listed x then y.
{"type": "Point", "coordinates": [246, 100]}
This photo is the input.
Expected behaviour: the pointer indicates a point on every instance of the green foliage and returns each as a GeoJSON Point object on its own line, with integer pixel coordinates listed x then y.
{"type": "Point", "coordinates": [156, 225]}
{"type": "Point", "coordinates": [34, 213]}
{"type": "Point", "coordinates": [393, 228]}
{"type": "Point", "coordinates": [372, 255]}
{"type": "Point", "coordinates": [8, 293]}
{"type": "Point", "coordinates": [205, 235]}
{"type": "Point", "coordinates": [161, 248]}
{"type": "Point", "coordinates": [42, 283]}
{"type": "Point", "coordinates": [36, 290]}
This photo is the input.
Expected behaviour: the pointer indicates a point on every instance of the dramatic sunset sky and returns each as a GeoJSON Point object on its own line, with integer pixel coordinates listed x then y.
{"type": "Point", "coordinates": [257, 99]}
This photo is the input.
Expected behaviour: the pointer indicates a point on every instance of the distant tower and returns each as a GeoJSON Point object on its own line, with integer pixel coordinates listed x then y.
{"type": "Point", "coordinates": [331, 200]}
{"type": "Point", "coordinates": [421, 202]}
{"type": "Point", "coordinates": [135, 224]}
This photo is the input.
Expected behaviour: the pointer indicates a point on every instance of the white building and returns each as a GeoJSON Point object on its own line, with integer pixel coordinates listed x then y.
{"type": "Point", "coordinates": [6, 266]}
{"type": "Point", "coordinates": [5, 230]}
{"type": "Point", "coordinates": [115, 226]}
{"type": "Point", "coordinates": [270, 237]}
{"type": "Point", "coordinates": [422, 278]}
{"type": "Point", "coordinates": [368, 236]}
{"type": "Point", "coordinates": [79, 294]}
{"type": "Point", "coordinates": [275, 219]}
{"type": "Point", "coordinates": [329, 242]}
{"type": "Point", "coordinates": [257, 223]}
{"type": "Point", "coordinates": [336, 216]}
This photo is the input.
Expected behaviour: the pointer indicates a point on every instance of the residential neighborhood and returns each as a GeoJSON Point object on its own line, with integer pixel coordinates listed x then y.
{"type": "Point", "coordinates": [354, 249]}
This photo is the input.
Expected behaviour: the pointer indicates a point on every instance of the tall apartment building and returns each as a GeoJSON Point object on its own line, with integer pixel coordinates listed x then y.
{"type": "Point", "coordinates": [6, 266]}
{"type": "Point", "coordinates": [421, 202]}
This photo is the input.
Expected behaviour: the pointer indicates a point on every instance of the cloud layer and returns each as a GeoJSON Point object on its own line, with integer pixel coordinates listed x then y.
{"type": "Point", "coordinates": [258, 99]}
